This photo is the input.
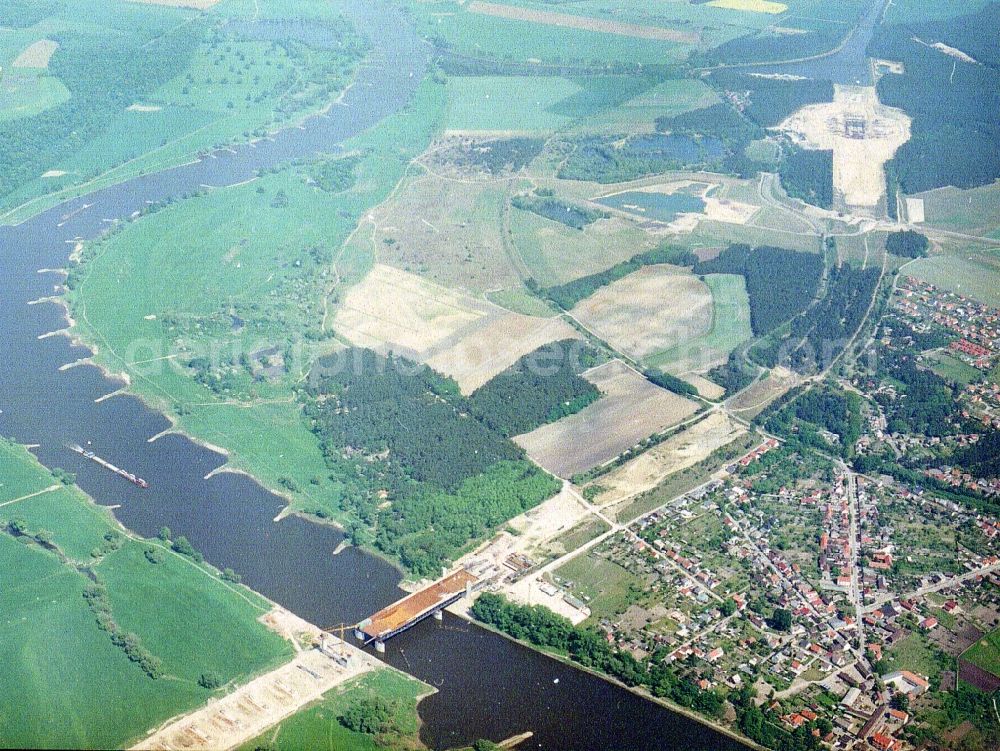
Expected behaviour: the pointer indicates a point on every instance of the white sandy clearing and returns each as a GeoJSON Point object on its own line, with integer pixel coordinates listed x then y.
{"type": "Point", "coordinates": [254, 707]}
{"type": "Point", "coordinates": [858, 176]}
{"type": "Point", "coordinates": [535, 530]}
{"type": "Point", "coordinates": [729, 212]}
{"type": "Point", "coordinates": [36, 55]}
{"type": "Point", "coordinates": [683, 450]}
{"type": "Point", "coordinates": [629, 410]}
{"type": "Point", "coordinates": [648, 311]}
{"type": "Point", "coordinates": [53, 173]}
{"type": "Point", "coordinates": [468, 339]}
{"type": "Point", "coordinates": [915, 210]}
{"type": "Point", "coordinates": [143, 108]}
{"type": "Point", "coordinates": [948, 50]}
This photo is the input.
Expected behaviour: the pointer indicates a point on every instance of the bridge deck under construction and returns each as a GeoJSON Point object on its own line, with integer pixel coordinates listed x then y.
{"type": "Point", "coordinates": [414, 607]}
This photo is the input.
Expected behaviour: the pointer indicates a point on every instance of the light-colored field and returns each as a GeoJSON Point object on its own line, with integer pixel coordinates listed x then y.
{"type": "Point", "coordinates": [747, 404]}
{"type": "Point", "coordinates": [36, 55]}
{"type": "Point", "coordinates": [753, 6]}
{"type": "Point", "coordinates": [705, 387]}
{"type": "Point", "coordinates": [195, 4]}
{"type": "Point", "coordinates": [972, 211]}
{"type": "Point", "coordinates": [566, 20]}
{"type": "Point", "coordinates": [649, 311]}
{"type": "Point", "coordinates": [467, 339]}
{"type": "Point", "coordinates": [681, 451]}
{"type": "Point", "coordinates": [638, 115]}
{"type": "Point", "coordinates": [630, 409]}
{"type": "Point", "coordinates": [876, 132]}
{"type": "Point", "coordinates": [730, 327]}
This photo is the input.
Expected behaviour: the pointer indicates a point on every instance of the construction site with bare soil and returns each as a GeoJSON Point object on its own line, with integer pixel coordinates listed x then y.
{"type": "Point", "coordinates": [863, 135]}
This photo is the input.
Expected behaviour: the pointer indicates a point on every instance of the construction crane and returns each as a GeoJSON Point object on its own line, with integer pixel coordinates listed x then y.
{"type": "Point", "coordinates": [341, 629]}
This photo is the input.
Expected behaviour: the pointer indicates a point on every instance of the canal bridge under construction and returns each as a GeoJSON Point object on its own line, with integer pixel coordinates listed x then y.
{"type": "Point", "coordinates": [413, 608]}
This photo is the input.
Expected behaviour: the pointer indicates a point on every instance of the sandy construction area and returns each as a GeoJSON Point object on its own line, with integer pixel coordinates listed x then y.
{"type": "Point", "coordinates": [36, 55]}
{"type": "Point", "coordinates": [630, 409]}
{"type": "Point", "coordinates": [863, 135]}
{"type": "Point", "coordinates": [752, 6]}
{"type": "Point", "coordinates": [569, 21]}
{"type": "Point", "coordinates": [467, 339]}
{"type": "Point", "coordinates": [683, 450]}
{"type": "Point", "coordinates": [251, 709]}
{"type": "Point", "coordinates": [649, 311]}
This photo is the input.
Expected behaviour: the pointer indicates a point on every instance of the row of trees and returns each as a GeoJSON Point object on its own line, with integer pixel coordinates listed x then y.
{"type": "Point", "coordinates": [568, 295]}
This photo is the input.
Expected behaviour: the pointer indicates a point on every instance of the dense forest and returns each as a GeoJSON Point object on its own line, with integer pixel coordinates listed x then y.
{"type": "Point", "coordinates": [780, 282]}
{"type": "Point", "coordinates": [550, 207]}
{"type": "Point", "coordinates": [733, 375]}
{"type": "Point", "coordinates": [953, 104]}
{"type": "Point", "coordinates": [769, 101]}
{"type": "Point", "coordinates": [907, 244]}
{"type": "Point", "coordinates": [335, 175]}
{"type": "Point", "coordinates": [982, 458]}
{"type": "Point", "coordinates": [926, 408]}
{"type": "Point", "coordinates": [568, 295]}
{"type": "Point", "coordinates": [808, 174]}
{"type": "Point", "coordinates": [541, 387]}
{"type": "Point", "coordinates": [612, 160]}
{"type": "Point", "coordinates": [20, 14]}
{"type": "Point", "coordinates": [29, 146]}
{"type": "Point", "coordinates": [826, 327]}
{"type": "Point", "coordinates": [822, 408]}
{"type": "Point", "coordinates": [415, 464]}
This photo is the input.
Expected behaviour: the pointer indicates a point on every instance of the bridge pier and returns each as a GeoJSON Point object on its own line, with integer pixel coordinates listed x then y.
{"type": "Point", "coordinates": [380, 646]}
{"type": "Point", "coordinates": [438, 615]}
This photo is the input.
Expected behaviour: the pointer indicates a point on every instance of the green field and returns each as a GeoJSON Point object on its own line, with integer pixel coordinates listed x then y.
{"type": "Point", "coordinates": [608, 585]}
{"type": "Point", "coordinates": [269, 252]}
{"type": "Point", "coordinates": [26, 93]}
{"type": "Point", "coordinates": [638, 114]}
{"type": "Point", "coordinates": [730, 328]}
{"type": "Point", "coordinates": [985, 653]}
{"type": "Point", "coordinates": [65, 684]}
{"type": "Point", "coordinates": [499, 103]}
{"type": "Point", "coordinates": [485, 37]}
{"type": "Point", "coordinates": [972, 211]}
{"type": "Point", "coordinates": [953, 369]}
{"type": "Point", "coordinates": [915, 654]}
{"type": "Point", "coordinates": [958, 273]}
{"type": "Point", "coordinates": [318, 728]}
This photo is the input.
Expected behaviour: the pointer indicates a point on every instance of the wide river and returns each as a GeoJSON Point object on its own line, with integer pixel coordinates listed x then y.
{"type": "Point", "coordinates": [487, 686]}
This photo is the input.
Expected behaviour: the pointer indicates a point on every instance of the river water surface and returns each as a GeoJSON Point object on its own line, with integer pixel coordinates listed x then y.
{"type": "Point", "coordinates": [487, 686]}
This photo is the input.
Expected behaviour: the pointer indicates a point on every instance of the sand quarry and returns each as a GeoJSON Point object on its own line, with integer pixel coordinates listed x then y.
{"type": "Point", "coordinates": [393, 311]}
{"type": "Point", "coordinates": [630, 409]}
{"type": "Point", "coordinates": [863, 135]}
{"type": "Point", "coordinates": [648, 311]}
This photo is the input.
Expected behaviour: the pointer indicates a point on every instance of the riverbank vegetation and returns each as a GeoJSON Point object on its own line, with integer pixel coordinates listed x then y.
{"type": "Point", "coordinates": [419, 470]}
{"type": "Point", "coordinates": [172, 84]}
{"type": "Point", "coordinates": [375, 712]}
{"type": "Point", "coordinates": [79, 591]}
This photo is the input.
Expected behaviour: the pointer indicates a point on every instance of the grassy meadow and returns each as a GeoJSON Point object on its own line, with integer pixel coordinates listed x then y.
{"type": "Point", "coordinates": [65, 683]}
{"type": "Point", "coordinates": [318, 728]}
